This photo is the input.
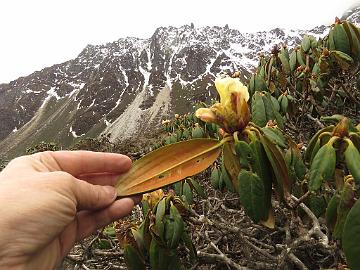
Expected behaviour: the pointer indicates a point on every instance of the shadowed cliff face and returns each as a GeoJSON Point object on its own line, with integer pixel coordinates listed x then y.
{"type": "Point", "coordinates": [127, 86]}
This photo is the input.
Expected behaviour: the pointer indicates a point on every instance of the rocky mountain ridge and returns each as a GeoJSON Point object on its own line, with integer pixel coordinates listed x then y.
{"type": "Point", "coordinates": [125, 87]}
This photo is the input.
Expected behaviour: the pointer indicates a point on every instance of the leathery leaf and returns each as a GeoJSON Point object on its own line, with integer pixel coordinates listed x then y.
{"type": "Point", "coordinates": [323, 166]}
{"type": "Point", "coordinates": [279, 167]}
{"type": "Point", "coordinates": [133, 258]}
{"type": "Point", "coordinates": [168, 165]}
{"type": "Point", "coordinates": [178, 228]}
{"type": "Point", "coordinates": [351, 237]}
{"type": "Point", "coordinates": [352, 159]}
{"type": "Point", "coordinates": [252, 195]}
{"type": "Point", "coordinates": [231, 163]}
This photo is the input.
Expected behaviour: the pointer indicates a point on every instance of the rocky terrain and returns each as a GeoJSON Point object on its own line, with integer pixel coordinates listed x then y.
{"type": "Point", "coordinates": [125, 87]}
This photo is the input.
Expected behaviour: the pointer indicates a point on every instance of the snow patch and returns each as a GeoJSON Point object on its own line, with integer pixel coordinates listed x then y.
{"type": "Point", "coordinates": [28, 91]}
{"type": "Point", "coordinates": [107, 123]}
{"type": "Point", "coordinates": [73, 133]}
{"type": "Point", "coordinates": [51, 93]}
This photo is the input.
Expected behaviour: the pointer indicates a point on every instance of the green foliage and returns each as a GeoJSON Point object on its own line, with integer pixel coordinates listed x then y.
{"type": "Point", "coordinates": [185, 127]}
{"type": "Point", "coordinates": [261, 162]}
{"type": "Point", "coordinates": [43, 146]}
{"type": "Point", "coordinates": [155, 241]}
{"type": "Point", "coordinates": [306, 78]}
{"type": "Point", "coordinates": [3, 164]}
{"type": "Point", "coordinates": [101, 144]}
{"type": "Point", "coordinates": [351, 237]}
{"type": "Point", "coordinates": [335, 165]}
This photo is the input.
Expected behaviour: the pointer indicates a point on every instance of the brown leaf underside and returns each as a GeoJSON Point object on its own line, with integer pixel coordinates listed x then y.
{"type": "Point", "coordinates": [168, 165]}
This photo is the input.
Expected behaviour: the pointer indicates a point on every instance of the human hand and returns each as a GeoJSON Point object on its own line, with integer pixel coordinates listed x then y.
{"type": "Point", "coordinates": [50, 200]}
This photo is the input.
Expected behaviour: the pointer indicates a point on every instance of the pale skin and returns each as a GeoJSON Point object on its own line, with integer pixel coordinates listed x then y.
{"type": "Point", "coordinates": [50, 200]}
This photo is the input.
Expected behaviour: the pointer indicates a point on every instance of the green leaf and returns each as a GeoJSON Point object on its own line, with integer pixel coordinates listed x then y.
{"type": "Point", "coordinates": [355, 38]}
{"type": "Point", "coordinates": [260, 84]}
{"type": "Point", "coordinates": [215, 177]}
{"type": "Point", "coordinates": [312, 142]}
{"type": "Point", "coordinates": [345, 203]}
{"type": "Point", "coordinates": [341, 40]}
{"type": "Point", "coordinates": [226, 178]}
{"type": "Point", "coordinates": [258, 110]}
{"type": "Point", "coordinates": [145, 207]}
{"type": "Point", "coordinates": [178, 226]}
{"type": "Point", "coordinates": [275, 136]}
{"type": "Point", "coordinates": [160, 213]}
{"type": "Point", "coordinates": [174, 263]}
{"type": "Point", "coordinates": [262, 167]}
{"type": "Point", "coordinates": [173, 138]}
{"type": "Point", "coordinates": [190, 246]}
{"type": "Point", "coordinates": [178, 188]}
{"type": "Point", "coordinates": [352, 159]}
{"type": "Point", "coordinates": [284, 104]}
{"type": "Point", "coordinates": [292, 61]}
{"type": "Point", "coordinates": [300, 57]}
{"type": "Point", "coordinates": [284, 63]}
{"type": "Point", "coordinates": [245, 154]}
{"type": "Point", "coordinates": [252, 85]}
{"type": "Point", "coordinates": [275, 103]}
{"type": "Point", "coordinates": [305, 43]}
{"type": "Point", "coordinates": [187, 193]}
{"type": "Point", "coordinates": [103, 244]}
{"type": "Point", "coordinates": [331, 43]}
{"type": "Point", "coordinates": [271, 112]}
{"type": "Point", "coordinates": [299, 166]}
{"type": "Point", "coordinates": [343, 60]}
{"type": "Point", "coordinates": [232, 165]}
{"type": "Point", "coordinates": [196, 186]}
{"type": "Point", "coordinates": [331, 211]}
{"type": "Point", "coordinates": [269, 108]}
{"type": "Point", "coordinates": [317, 205]}
{"type": "Point", "coordinates": [351, 237]}
{"type": "Point", "coordinates": [279, 167]}
{"type": "Point", "coordinates": [158, 258]}
{"type": "Point", "coordinates": [322, 167]}
{"type": "Point", "coordinates": [252, 195]}
{"type": "Point", "coordinates": [133, 259]}
{"type": "Point", "coordinates": [197, 132]}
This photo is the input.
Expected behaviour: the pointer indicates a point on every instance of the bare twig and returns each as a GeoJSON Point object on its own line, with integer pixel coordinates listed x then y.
{"type": "Point", "coordinates": [317, 121]}
{"type": "Point", "coordinates": [297, 262]}
{"type": "Point", "coordinates": [316, 229]}
{"type": "Point", "coordinates": [350, 95]}
{"type": "Point", "coordinates": [301, 199]}
{"type": "Point", "coordinates": [222, 258]}
{"type": "Point", "coordinates": [100, 252]}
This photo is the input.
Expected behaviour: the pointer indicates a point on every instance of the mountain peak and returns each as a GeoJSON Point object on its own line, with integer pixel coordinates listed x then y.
{"type": "Point", "coordinates": [125, 87]}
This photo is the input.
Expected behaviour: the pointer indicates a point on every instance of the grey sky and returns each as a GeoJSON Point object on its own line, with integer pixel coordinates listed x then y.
{"type": "Point", "coordinates": [39, 33]}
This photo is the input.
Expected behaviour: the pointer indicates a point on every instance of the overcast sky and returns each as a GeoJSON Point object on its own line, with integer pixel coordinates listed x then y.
{"type": "Point", "coordinates": [39, 33]}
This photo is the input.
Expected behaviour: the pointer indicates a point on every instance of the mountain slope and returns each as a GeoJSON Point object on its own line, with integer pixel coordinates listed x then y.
{"type": "Point", "coordinates": [127, 86]}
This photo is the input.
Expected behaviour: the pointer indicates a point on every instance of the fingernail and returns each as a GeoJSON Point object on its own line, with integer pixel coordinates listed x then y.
{"type": "Point", "coordinates": [110, 190]}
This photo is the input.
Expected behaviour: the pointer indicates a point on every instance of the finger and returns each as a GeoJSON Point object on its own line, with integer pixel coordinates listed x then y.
{"type": "Point", "coordinates": [103, 179]}
{"type": "Point", "coordinates": [92, 197]}
{"type": "Point", "coordinates": [89, 222]}
{"type": "Point", "coordinates": [84, 162]}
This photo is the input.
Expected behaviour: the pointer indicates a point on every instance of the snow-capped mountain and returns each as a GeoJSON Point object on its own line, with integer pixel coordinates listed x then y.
{"type": "Point", "coordinates": [125, 87]}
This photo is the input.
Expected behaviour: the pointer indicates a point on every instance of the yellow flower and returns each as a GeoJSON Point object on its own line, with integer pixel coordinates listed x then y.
{"type": "Point", "coordinates": [232, 113]}
{"type": "Point", "coordinates": [227, 86]}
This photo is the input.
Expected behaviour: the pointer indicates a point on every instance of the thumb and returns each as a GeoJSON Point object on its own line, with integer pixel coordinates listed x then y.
{"type": "Point", "coordinates": [92, 197]}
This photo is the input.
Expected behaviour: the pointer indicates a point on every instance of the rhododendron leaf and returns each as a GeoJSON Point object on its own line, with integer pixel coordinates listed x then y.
{"type": "Point", "coordinates": [168, 165]}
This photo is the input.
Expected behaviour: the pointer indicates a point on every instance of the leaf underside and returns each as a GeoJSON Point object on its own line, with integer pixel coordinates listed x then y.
{"type": "Point", "coordinates": [168, 165]}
